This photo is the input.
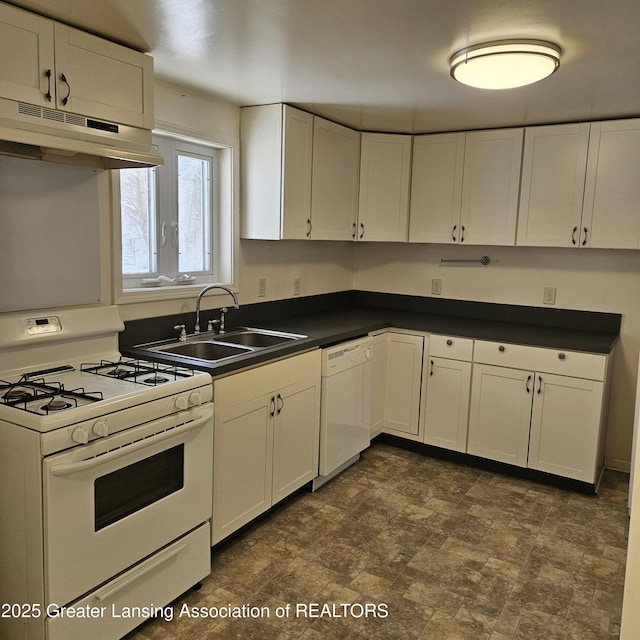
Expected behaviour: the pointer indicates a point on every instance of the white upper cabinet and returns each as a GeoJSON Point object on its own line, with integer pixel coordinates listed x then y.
{"type": "Point", "coordinates": [465, 187]}
{"type": "Point", "coordinates": [490, 187]}
{"type": "Point", "coordinates": [612, 192]}
{"type": "Point", "coordinates": [335, 180]}
{"type": "Point", "coordinates": [53, 65]}
{"type": "Point", "coordinates": [385, 171]}
{"type": "Point", "coordinates": [553, 172]}
{"type": "Point", "coordinates": [276, 153]}
{"type": "Point", "coordinates": [436, 187]}
{"type": "Point", "coordinates": [27, 41]}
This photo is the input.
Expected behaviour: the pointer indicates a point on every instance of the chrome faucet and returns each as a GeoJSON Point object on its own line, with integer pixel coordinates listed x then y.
{"type": "Point", "coordinates": [236, 305]}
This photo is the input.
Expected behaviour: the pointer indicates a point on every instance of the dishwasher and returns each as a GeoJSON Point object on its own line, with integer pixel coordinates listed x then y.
{"type": "Point", "coordinates": [345, 410]}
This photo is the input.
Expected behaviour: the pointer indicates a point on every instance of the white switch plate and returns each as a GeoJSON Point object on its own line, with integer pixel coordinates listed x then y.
{"type": "Point", "coordinates": [549, 295]}
{"type": "Point", "coordinates": [262, 287]}
{"type": "Point", "coordinates": [296, 286]}
{"type": "Point", "coordinates": [436, 286]}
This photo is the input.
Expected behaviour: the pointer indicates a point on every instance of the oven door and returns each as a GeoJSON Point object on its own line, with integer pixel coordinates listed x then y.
{"type": "Point", "coordinates": [109, 504]}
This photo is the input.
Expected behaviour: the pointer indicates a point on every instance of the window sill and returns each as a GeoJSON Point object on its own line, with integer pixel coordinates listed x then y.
{"type": "Point", "coordinates": [153, 294]}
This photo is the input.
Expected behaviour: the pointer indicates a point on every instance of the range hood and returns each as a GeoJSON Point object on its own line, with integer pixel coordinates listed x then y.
{"type": "Point", "coordinates": [41, 133]}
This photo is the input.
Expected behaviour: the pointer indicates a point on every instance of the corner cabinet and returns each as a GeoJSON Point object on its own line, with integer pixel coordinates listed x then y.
{"type": "Point", "coordinates": [53, 65]}
{"type": "Point", "coordinates": [266, 438]}
{"type": "Point", "coordinates": [540, 408]}
{"type": "Point", "coordinates": [385, 172]}
{"type": "Point", "coordinates": [335, 181]}
{"type": "Point", "coordinates": [465, 187]}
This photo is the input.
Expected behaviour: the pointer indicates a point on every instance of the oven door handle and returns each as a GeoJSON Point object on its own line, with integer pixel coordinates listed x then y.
{"type": "Point", "coordinates": [89, 463]}
{"type": "Point", "coordinates": [138, 572]}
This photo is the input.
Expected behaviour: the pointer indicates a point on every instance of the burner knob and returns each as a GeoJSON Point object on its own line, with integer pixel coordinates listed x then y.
{"type": "Point", "coordinates": [195, 398]}
{"type": "Point", "coordinates": [181, 403]}
{"type": "Point", "coordinates": [80, 435]}
{"type": "Point", "coordinates": [101, 428]}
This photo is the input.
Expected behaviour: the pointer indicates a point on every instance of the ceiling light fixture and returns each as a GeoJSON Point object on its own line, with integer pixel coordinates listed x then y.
{"type": "Point", "coordinates": [504, 64]}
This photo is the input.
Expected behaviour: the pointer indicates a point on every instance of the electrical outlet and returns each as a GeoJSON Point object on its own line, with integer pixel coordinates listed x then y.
{"type": "Point", "coordinates": [549, 295]}
{"type": "Point", "coordinates": [296, 286]}
{"type": "Point", "coordinates": [262, 287]}
{"type": "Point", "coordinates": [436, 286]}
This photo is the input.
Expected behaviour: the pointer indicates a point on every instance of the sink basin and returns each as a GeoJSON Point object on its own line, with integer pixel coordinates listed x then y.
{"type": "Point", "coordinates": [257, 338]}
{"type": "Point", "coordinates": [203, 350]}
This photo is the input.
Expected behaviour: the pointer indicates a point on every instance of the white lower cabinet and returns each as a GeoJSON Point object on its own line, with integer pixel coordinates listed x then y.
{"type": "Point", "coordinates": [545, 409]}
{"type": "Point", "coordinates": [403, 384]}
{"type": "Point", "coordinates": [447, 403]}
{"type": "Point", "coordinates": [266, 438]}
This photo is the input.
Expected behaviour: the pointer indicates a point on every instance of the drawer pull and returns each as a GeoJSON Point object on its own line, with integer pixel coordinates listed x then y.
{"type": "Point", "coordinates": [449, 342]}
{"type": "Point", "coordinates": [501, 348]}
{"type": "Point", "coordinates": [561, 356]}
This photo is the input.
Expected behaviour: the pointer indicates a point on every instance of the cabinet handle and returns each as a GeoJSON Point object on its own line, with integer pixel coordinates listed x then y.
{"type": "Point", "coordinates": [573, 236]}
{"type": "Point", "coordinates": [453, 233]}
{"type": "Point", "coordinates": [431, 369]}
{"type": "Point", "coordinates": [47, 95]}
{"type": "Point", "coordinates": [586, 231]}
{"type": "Point", "coordinates": [501, 348]}
{"type": "Point", "coordinates": [308, 227]}
{"type": "Point", "coordinates": [539, 384]}
{"type": "Point", "coordinates": [272, 403]}
{"type": "Point", "coordinates": [281, 407]}
{"type": "Point", "coordinates": [63, 78]}
{"type": "Point", "coordinates": [449, 343]}
{"type": "Point", "coordinates": [361, 230]}
{"type": "Point", "coordinates": [561, 356]}
{"type": "Point", "coordinates": [355, 231]}
{"type": "Point", "coordinates": [462, 233]}
{"type": "Point", "coordinates": [526, 386]}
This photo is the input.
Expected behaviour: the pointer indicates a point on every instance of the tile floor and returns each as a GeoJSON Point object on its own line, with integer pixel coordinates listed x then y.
{"type": "Point", "coordinates": [448, 552]}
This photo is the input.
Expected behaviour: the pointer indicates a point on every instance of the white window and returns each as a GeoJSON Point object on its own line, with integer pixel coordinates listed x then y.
{"type": "Point", "coordinates": [176, 221]}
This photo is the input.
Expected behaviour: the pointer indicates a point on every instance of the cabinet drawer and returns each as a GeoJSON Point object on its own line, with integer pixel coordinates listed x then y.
{"type": "Point", "coordinates": [451, 347]}
{"type": "Point", "coordinates": [577, 364]}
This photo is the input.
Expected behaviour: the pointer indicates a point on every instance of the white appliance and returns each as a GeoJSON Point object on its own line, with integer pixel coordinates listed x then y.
{"type": "Point", "coordinates": [345, 411]}
{"type": "Point", "coordinates": [105, 478]}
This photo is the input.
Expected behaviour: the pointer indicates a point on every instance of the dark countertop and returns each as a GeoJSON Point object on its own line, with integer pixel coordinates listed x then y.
{"type": "Point", "coordinates": [334, 318]}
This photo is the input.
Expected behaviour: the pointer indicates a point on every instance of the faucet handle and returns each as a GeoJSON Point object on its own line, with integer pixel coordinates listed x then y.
{"type": "Point", "coordinates": [211, 324]}
{"type": "Point", "coordinates": [183, 331]}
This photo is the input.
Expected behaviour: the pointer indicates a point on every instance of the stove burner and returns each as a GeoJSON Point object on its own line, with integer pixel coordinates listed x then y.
{"type": "Point", "coordinates": [156, 378]}
{"type": "Point", "coordinates": [16, 394]}
{"type": "Point", "coordinates": [119, 372]}
{"type": "Point", "coordinates": [56, 404]}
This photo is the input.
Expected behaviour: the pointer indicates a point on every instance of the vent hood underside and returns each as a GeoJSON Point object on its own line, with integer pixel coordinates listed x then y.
{"type": "Point", "coordinates": [40, 133]}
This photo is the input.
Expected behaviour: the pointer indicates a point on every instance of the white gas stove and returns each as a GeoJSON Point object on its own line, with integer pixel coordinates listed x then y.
{"type": "Point", "coordinates": [114, 459]}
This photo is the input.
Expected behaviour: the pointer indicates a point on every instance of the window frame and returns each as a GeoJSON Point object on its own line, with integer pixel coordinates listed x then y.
{"type": "Point", "coordinates": [224, 226]}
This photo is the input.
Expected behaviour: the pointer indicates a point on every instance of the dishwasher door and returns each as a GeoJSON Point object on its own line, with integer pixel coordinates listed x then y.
{"type": "Point", "coordinates": [345, 413]}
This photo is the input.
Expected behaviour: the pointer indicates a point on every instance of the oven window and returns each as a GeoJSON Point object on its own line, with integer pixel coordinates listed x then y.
{"type": "Point", "coordinates": [123, 492]}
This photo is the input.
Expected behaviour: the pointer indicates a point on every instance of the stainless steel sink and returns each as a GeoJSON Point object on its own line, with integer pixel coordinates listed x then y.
{"type": "Point", "coordinates": [212, 347]}
{"type": "Point", "coordinates": [203, 350]}
{"type": "Point", "coordinates": [257, 338]}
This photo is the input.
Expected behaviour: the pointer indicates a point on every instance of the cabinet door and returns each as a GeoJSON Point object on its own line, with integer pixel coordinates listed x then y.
{"type": "Point", "coordinates": [492, 161]}
{"type": "Point", "coordinates": [447, 406]}
{"type": "Point", "coordinates": [565, 427]}
{"type": "Point", "coordinates": [385, 169]}
{"type": "Point", "coordinates": [26, 49]}
{"type": "Point", "coordinates": [242, 465]}
{"type": "Point", "coordinates": [295, 437]}
{"type": "Point", "coordinates": [103, 79]}
{"type": "Point", "coordinates": [334, 182]}
{"type": "Point", "coordinates": [612, 192]}
{"type": "Point", "coordinates": [500, 414]}
{"type": "Point", "coordinates": [553, 172]}
{"type": "Point", "coordinates": [436, 188]}
{"type": "Point", "coordinates": [404, 373]}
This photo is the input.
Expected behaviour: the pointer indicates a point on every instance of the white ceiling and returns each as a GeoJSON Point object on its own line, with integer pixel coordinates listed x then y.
{"type": "Point", "coordinates": [378, 65]}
